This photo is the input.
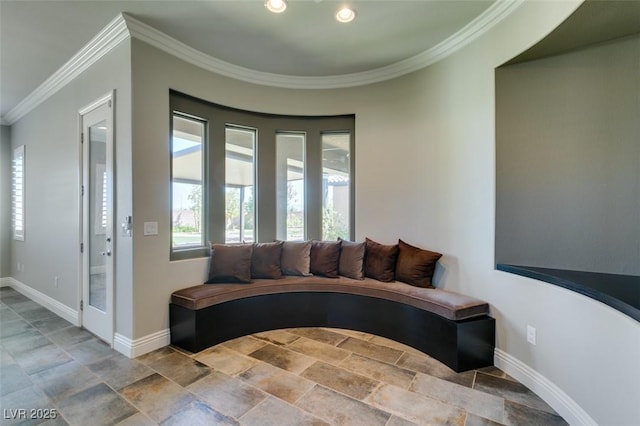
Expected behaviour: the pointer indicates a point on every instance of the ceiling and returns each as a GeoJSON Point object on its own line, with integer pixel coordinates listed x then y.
{"type": "Point", "coordinates": [38, 37]}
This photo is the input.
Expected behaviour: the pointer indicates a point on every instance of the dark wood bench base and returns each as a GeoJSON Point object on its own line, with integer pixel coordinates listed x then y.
{"type": "Point", "coordinates": [462, 345]}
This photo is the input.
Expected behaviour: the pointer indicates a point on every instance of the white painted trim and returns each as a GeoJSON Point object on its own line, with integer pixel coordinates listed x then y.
{"type": "Point", "coordinates": [499, 10]}
{"type": "Point", "coordinates": [124, 27]}
{"type": "Point", "coordinates": [106, 40]}
{"type": "Point", "coordinates": [143, 345]}
{"type": "Point", "coordinates": [544, 388]}
{"type": "Point", "coordinates": [53, 305]}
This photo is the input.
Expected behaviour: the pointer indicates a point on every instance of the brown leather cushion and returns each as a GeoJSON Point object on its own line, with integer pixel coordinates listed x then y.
{"type": "Point", "coordinates": [296, 258]}
{"type": "Point", "coordinates": [230, 263]}
{"type": "Point", "coordinates": [380, 261]}
{"type": "Point", "coordinates": [415, 266]}
{"type": "Point", "coordinates": [447, 304]}
{"type": "Point", "coordinates": [351, 262]}
{"type": "Point", "coordinates": [265, 261]}
{"type": "Point", "coordinates": [324, 258]}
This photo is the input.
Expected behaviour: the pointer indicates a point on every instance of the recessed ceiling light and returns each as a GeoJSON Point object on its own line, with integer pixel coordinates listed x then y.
{"type": "Point", "coordinates": [346, 14]}
{"type": "Point", "coordinates": [275, 6]}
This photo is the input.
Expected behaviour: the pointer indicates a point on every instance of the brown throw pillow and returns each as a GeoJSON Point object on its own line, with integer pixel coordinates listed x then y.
{"type": "Point", "coordinates": [324, 258]}
{"type": "Point", "coordinates": [230, 263]}
{"type": "Point", "coordinates": [265, 261]}
{"type": "Point", "coordinates": [380, 261]}
{"type": "Point", "coordinates": [415, 266]}
{"type": "Point", "coordinates": [295, 258]}
{"type": "Point", "coordinates": [351, 262]}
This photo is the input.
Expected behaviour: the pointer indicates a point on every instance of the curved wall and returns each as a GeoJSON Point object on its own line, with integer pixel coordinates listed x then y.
{"type": "Point", "coordinates": [425, 172]}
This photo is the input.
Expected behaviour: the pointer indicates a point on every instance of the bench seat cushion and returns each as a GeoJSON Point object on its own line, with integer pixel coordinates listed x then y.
{"type": "Point", "coordinates": [447, 304]}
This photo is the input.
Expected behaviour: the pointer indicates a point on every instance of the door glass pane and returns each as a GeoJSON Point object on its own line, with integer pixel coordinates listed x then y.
{"type": "Point", "coordinates": [98, 245]}
{"type": "Point", "coordinates": [336, 180]}
{"type": "Point", "coordinates": [186, 183]}
{"type": "Point", "coordinates": [290, 186]}
{"type": "Point", "coordinates": [239, 184]}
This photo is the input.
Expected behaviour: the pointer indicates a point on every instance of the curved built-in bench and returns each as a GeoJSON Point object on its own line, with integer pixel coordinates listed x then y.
{"type": "Point", "coordinates": [453, 328]}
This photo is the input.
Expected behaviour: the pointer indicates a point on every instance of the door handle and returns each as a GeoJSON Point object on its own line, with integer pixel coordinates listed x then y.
{"type": "Point", "coordinates": [106, 253]}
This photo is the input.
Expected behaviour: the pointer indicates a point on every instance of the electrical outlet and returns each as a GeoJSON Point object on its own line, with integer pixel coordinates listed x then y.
{"type": "Point", "coordinates": [531, 335]}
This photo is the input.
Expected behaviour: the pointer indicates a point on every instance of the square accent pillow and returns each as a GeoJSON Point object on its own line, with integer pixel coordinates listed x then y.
{"type": "Point", "coordinates": [230, 263]}
{"type": "Point", "coordinates": [415, 266]}
{"type": "Point", "coordinates": [324, 258]}
{"type": "Point", "coordinates": [296, 258]}
{"type": "Point", "coordinates": [351, 262]}
{"type": "Point", "coordinates": [265, 261]}
{"type": "Point", "coordinates": [380, 261]}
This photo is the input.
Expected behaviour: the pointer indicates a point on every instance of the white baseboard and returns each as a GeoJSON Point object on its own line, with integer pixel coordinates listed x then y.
{"type": "Point", "coordinates": [50, 303]}
{"type": "Point", "coordinates": [544, 388]}
{"type": "Point", "coordinates": [143, 345]}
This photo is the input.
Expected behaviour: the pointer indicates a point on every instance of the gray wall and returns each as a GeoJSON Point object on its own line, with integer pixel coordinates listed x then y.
{"type": "Point", "coordinates": [50, 134]}
{"type": "Point", "coordinates": [568, 160]}
{"type": "Point", "coordinates": [5, 201]}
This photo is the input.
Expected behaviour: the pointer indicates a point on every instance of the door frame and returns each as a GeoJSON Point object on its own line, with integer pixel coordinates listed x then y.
{"type": "Point", "coordinates": [108, 98]}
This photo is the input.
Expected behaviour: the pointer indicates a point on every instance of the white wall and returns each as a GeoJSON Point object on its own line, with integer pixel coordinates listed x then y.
{"type": "Point", "coordinates": [51, 135]}
{"type": "Point", "coordinates": [425, 172]}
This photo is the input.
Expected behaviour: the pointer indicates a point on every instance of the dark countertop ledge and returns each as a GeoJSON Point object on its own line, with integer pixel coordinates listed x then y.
{"type": "Point", "coordinates": [621, 292]}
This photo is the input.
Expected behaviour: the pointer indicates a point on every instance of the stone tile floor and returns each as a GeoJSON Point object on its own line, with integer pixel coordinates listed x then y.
{"type": "Point", "coordinates": [301, 376]}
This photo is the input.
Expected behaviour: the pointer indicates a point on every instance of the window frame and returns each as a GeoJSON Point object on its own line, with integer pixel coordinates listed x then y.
{"type": "Point", "coordinates": [218, 118]}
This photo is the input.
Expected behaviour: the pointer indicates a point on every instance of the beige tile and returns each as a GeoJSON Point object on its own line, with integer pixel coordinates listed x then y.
{"type": "Point", "coordinates": [371, 350]}
{"type": "Point", "coordinates": [283, 358]}
{"type": "Point", "coordinates": [511, 391]}
{"type": "Point", "coordinates": [277, 382]}
{"type": "Point", "coordinates": [339, 409]}
{"type": "Point", "coordinates": [378, 370]}
{"type": "Point", "coordinates": [476, 402]}
{"type": "Point", "coordinates": [415, 407]}
{"type": "Point", "coordinates": [137, 420]}
{"type": "Point", "coordinates": [517, 414]}
{"type": "Point", "coordinates": [427, 365]}
{"type": "Point", "coordinates": [157, 397]}
{"type": "Point", "coordinates": [383, 341]}
{"type": "Point", "coordinates": [157, 354]}
{"type": "Point", "coordinates": [273, 412]}
{"type": "Point", "coordinates": [277, 337]}
{"type": "Point", "coordinates": [319, 334]}
{"type": "Point", "coordinates": [399, 421]}
{"type": "Point", "coordinates": [180, 368]}
{"type": "Point", "coordinates": [351, 333]}
{"type": "Point", "coordinates": [228, 395]}
{"type": "Point", "coordinates": [318, 350]}
{"type": "Point", "coordinates": [198, 413]}
{"type": "Point", "coordinates": [245, 345]}
{"type": "Point", "coordinates": [341, 380]}
{"type": "Point", "coordinates": [225, 360]}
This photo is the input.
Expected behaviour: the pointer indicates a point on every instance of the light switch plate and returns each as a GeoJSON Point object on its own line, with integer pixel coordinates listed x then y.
{"type": "Point", "coordinates": [151, 228]}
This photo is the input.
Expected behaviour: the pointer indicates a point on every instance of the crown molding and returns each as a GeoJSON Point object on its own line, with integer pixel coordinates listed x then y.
{"type": "Point", "coordinates": [112, 35]}
{"type": "Point", "coordinates": [125, 26]}
{"type": "Point", "coordinates": [481, 24]}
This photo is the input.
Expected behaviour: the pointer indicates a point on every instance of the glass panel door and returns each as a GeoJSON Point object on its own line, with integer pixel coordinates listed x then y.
{"type": "Point", "coordinates": [96, 304]}
{"type": "Point", "coordinates": [98, 242]}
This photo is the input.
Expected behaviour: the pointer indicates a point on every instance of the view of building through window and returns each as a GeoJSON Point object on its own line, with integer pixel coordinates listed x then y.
{"type": "Point", "coordinates": [186, 185]}
{"type": "Point", "coordinates": [239, 184]}
{"type": "Point", "coordinates": [336, 172]}
{"type": "Point", "coordinates": [290, 185]}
